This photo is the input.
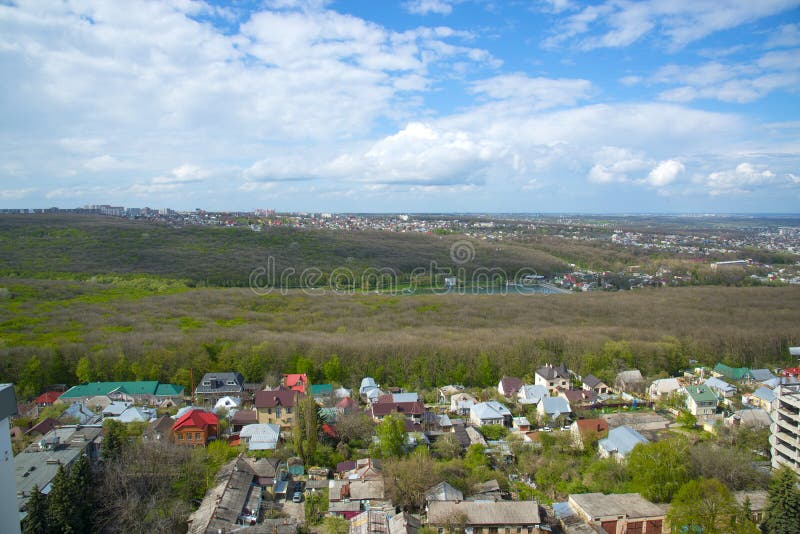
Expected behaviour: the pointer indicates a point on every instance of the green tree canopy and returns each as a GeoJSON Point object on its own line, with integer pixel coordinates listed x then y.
{"type": "Point", "coordinates": [707, 505]}
{"type": "Point", "coordinates": [391, 433]}
{"type": "Point", "coordinates": [783, 508]}
{"type": "Point", "coordinates": [659, 469]}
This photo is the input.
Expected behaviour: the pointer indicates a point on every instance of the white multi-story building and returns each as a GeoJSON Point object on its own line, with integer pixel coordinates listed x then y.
{"type": "Point", "coordinates": [785, 438]}
{"type": "Point", "coordinates": [9, 515]}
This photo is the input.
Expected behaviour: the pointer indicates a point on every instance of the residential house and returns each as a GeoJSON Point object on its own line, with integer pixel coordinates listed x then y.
{"type": "Point", "coordinates": [509, 386]}
{"type": "Point", "coordinates": [759, 376]}
{"type": "Point", "coordinates": [116, 408]}
{"type": "Point", "coordinates": [460, 403]}
{"type": "Point", "coordinates": [445, 392]}
{"type": "Point", "coordinates": [579, 397]}
{"type": "Point", "coordinates": [592, 383]}
{"type": "Point", "coordinates": [349, 497]}
{"type": "Point", "coordinates": [720, 387]}
{"type": "Point", "coordinates": [532, 394]}
{"type": "Point", "coordinates": [141, 392]}
{"type": "Point", "coordinates": [277, 406]}
{"type": "Point", "coordinates": [553, 378]}
{"type": "Point", "coordinates": [750, 418]}
{"type": "Point", "coordinates": [227, 403]}
{"type": "Point", "coordinates": [486, 491]}
{"type": "Point", "coordinates": [80, 414]}
{"type": "Point", "coordinates": [260, 437]}
{"type": "Point", "coordinates": [443, 492]}
{"type": "Point", "coordinates": [521, 424]}
{"type": "Point", "coordinates": [322, 393]}
{"type": "Point", "coordinates": [367, 384]}
{"type": "Point", "coordinates": [346, 405]}
{"type": "Point", "coordinates": [214, 386]}
{"type": "Point", "coordinates": [234, 500]}
{"type": "Point", "coordinates": [701, 402]}
{"type": "Point", "coordinates": [630, 381]}
{"type": "Point", "coordinates": [135, 414]}
{"type": "Point", "coordinates": [296, 382]}
{"type": "Point", "coordinates": [663, 387]}
{"type": "Point", "coordinates": [240, 418]}
{"type": "Point", "coordinates": [521, 517]}
{"type": "Point", "coordinates": [758, 501]}
{"type": "Point", "coordinates": [342, 393]}
{"type": "Point", "coordinates": [551, 408]}
{"type": "Point", "coordinates": [620, 442]}
{"type": "Point", "coordinates": [489, 413]}
{"type": "Point", "coordinates": [381, 521]}
{"type": "Point", "coordinates": [584, 430]}
{"type": "Point", "coordinates": [195, 427]}
{"type": "Point", "coordinates": [43, 427]}
{"type": "Point", "coordinates": [159, 429]}
{"type": "Point", "coordinates": [411, 410]}
{"type": "Point", "coordinates": [619, 513]}
{"type": "Point", "coordinates": [762, 397]}
{"type": "Point", "coordinates": [736, 374]}
{"type": "Point", "coordinates": [48, 398]}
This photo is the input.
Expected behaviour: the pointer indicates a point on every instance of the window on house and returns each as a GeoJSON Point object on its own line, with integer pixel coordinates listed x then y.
{"type": "Point", "coordinates": [206, 383]}
{"type": "Point", "coordinates": [197, 436]}
{"type": "Point", "coordinates": [231, 382]}
{"type": "Point", "coordinates": [288, 410]}
{"type": "Point", "coordinates": [278, 411]}
{"type": "Point", "coordinates": [180, 437]}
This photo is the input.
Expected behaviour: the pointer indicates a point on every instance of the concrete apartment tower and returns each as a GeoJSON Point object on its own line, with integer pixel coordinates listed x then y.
{"type": "Point", "coordinates": [9, 513]}
{"type": "Point", "coordinates": [785, 438]}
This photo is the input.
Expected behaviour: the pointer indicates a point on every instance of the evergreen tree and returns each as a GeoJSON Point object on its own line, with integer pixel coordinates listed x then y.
{"type": "Point", "coordinates": [36, 520]}
{"type": "Point", "coordinates": [305, 431]}
{"type": "Point", "coordinates": [113, 439]}
{"type": "Point", "coordinates": [783, 508]}
{"type": "Point", "coordinates": [61, 508]}
{"type": "Point", "coordinates": [81, 480]}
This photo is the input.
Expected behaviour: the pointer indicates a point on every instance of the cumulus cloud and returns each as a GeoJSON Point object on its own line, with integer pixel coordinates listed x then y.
{"type": "Point", "coordinates": [538, 93]}
{"type": "Point", "coordinates": [744, 178]}
{"type": "Point", "coordinates": [613, 24]}
{"type": "Point", "coordinates": [665, 173]}
{"type": "Point", "coordinates": [102, 163]}
{"type": "Point", "coordinates": [615, 164]}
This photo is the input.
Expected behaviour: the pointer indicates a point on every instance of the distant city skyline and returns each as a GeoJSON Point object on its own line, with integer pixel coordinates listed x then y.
{"type": "Point", "coordinates": [410, 106]}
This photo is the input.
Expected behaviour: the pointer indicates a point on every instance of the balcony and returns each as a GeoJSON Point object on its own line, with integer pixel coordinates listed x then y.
{"type": "Point", "coordinates": [786, 451]}
{"type": "Point", "coordinates": [789, 414]}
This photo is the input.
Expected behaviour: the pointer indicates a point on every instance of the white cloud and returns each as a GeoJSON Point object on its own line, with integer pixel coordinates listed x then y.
{"type": "Point", "coordinates": [665, 173]}
{"type": "Point", "coordinates": [616, 23]}
{"type": "Point", "coordinates": [787, 35]}
{"type": "Point", "coordinates": [102, 163]}
{"type": "Point", "coordinates": [743, 179]}
{"type": "Point", "coordinates": [15, 194]}
{"type": "Point", "coordinates": [615, 164]}
{"type": "Point", "coordinates": [426, 7]}
{"type": "Point", "coordinates": [538, 93]}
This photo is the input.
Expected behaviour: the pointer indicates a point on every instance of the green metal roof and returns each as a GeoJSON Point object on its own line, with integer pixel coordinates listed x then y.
{"type": "Point", "coordinates": [142, 387]}
{"type": "Point", "coordinates": [169, 390]}
{"type": "Point", "coordinates": [321, 389]}
{"type": "Point", "coordinates": [733, 373]}
{"type": "Point", "coordinates": [701, 393]}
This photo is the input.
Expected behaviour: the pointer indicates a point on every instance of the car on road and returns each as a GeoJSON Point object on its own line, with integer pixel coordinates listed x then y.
{"type": "Point", "coordinates": [297, 497]}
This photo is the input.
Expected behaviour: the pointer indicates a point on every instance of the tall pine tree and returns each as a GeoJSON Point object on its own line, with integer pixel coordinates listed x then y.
{"type": "Point", "coordinates": [60, 504]}
{"type": "Point", "coordinates": [36, 520]}
{"type": "Point", "coordinates": [80, 478]}
{"type": "Point", "coordinates": [783, 508]}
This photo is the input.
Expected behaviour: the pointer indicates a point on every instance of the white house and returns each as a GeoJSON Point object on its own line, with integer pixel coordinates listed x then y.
{"type": "Point", "coordinates": [553, 378]}
{"type": "Point", "coordinates": [461, 403]}
{"type": "Point", "coordinates": [227, 403]}
{"type": "Point", "coordinates": [259, 437]}
{"type": "Point", "coordinates": [663, 387]}
{"type": "Point", "coordinates": [489, 413]}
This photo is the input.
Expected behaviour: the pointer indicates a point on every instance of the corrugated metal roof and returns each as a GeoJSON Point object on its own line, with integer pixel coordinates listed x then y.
{"type": "Point", "coordinates": [485, 513]}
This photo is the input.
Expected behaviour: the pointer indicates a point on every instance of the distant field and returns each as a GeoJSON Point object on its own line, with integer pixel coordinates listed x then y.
{"type": "Point", "coordinates": [58, 246]}
{"type": "Point", "coordinates": [153, 329]}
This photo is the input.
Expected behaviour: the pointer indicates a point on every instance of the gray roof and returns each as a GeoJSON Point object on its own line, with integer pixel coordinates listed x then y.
{"type": "Point", "coordinates": [765, 394]}
{"type": "Point", "coordinates": [631, 505]}
{"type": "Point", "coordinates": [592, 381]}
{"type": "Point", "coordinates": [555, 406]}
{"type": "Point", "coordinates": [38, 466]}
{"type": "Point", "coordinates": [548, 372]}
{"type": "Point", "coordinates": [532, 394]}
{"type": "Point", "coordinates": [781, 380]}
{"type": "Point", "coordinates": [489, 410]}
{"type": "Point", "coordinates": [719, 385]}
{"type": "Point", "coordinates": [479, 513]}
{"type": "Point", "coordinates": [754, 417]}
{"type": "Point", "coordinates": [405, 397]}
{"type": "Point", "coordinates": [622, 440]}
{"type": "Point", "coordinates": [366, 384]}
{"type": "Point", "coordinates": [761, 375]}
{"type": "Point", "coordinates": [630, 377]}
{"type": "Point", "coordinates": [794, 351]}
{"type": "Point", "coordinates": [219, 383]}
{"type": "Point", "coordinates": [444, 492]}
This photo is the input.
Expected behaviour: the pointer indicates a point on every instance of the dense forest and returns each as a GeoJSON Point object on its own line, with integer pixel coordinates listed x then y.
{"type": "Point", "coordinates": [68, 331]}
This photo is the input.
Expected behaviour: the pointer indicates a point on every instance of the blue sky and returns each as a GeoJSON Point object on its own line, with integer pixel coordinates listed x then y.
{"type": "Point", "coordinates": [414, 105]}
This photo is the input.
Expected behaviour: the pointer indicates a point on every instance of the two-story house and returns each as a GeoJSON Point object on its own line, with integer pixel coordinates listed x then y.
{"type": "Point", "coordinates": [277, 406]}
{"type": "Point", "coordinates": [553, 378]}
{"type": "Point", "coordinates": [195, 427]}
{"type": "Point", "coordinates": [701, 402]}
{"type": "Point", "coordinates": [214, 386]}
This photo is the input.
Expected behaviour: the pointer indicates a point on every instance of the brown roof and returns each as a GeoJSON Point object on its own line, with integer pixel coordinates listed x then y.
{"type": "Point", "coordinates": [244, 417]}
{"type": "Point", "coordinates": [43, 427]}
{"type": "Point", "coordinates": [407, 408]}
{"type": "Point", "coordinates": [510, 385]}
{"type": "Point", "coordinates": [600, 426]}
{"type": "Point", "coordinates": [276, 397]}
{"type": "Point", "coordinates": [485, 513]}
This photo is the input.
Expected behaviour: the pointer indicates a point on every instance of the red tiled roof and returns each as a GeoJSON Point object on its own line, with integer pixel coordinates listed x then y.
{"type": "Point", "coordinates": [48, 397]}
{"type": "Point", "coordinates": [296, 382]}
{"type": "Point", "coordinates": [196, 419]}
{"type": "Point", "coordinates": [346, 403]}
{"type": "Point", "coordinates": [276, 397]}
{"type": "Point", "coordinates": [329, 430]}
